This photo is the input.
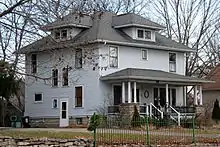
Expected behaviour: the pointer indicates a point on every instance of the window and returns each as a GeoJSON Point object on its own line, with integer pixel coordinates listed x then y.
{"type": "Point", "coordinates": [172, 62]}
{"type": "Point", "coordinates": [55, 77]}
{"type": "Point", "coordinates": [63, 34]}
{"type": "Point", "coordinates": [38, 97]}
{"type": "Point", "coordinates": [54, 103]}
{"type": "Point", "coordinates": [34, 63]}
{"type": "Point", "coordinates": [144, 54]}
{"type": "Point", "coordinates": [147, 34]}
{"type": "Point", "coordinates": [113, 56]}
{"type": "Point", "coordinates": [57, 35]}
{"type": "Point", "coordinates": [60, 34]}
{"type": "Point", "coordinates": [144, 34]}
{"type": "Point", "coordinates": [79, 121]}
{"type": "Point", "coordinates": [78, 96]}
{"type": "Point", "coordinates": [140, 33]}
{"type": "Point", "coordinates": [65, 76]}
{"type": "Point", "coordinates": [78, 58]}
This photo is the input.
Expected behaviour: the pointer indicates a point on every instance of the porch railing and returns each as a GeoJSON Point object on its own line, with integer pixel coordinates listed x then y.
{"type": "Point", "coordinates": [175, 115]}
{"type": "Point", "coordinates": [185, 109]}
{"type": "Point", "coordinates": [155, 112]}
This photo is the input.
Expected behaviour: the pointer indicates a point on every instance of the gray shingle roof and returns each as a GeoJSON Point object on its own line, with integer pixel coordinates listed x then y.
{"type": "Point", "coordinates": [135, 20]}
{"type": "Point", "coordinates": [101, 29]}
{"type": "Point", "coordinates": [151, 75]}
{"type": "Point", "coordinates": [70, 20]}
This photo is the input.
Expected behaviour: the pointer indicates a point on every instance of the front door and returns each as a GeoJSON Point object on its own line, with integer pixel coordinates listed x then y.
{"type": "Point", "coordinates": [64, 117]}
{"type": "Point", "coordinates": [117, 94]}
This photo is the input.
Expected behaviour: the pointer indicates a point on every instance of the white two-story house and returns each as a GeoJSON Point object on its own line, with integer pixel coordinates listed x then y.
{"type": "Point", "coordinates": [90, 60]}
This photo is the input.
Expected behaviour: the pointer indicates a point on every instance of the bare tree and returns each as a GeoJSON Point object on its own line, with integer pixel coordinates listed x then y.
{"type": "Point", "coordinates": [192, 23]}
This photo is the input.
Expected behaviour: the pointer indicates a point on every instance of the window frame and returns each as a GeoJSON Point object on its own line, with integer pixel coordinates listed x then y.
{"type": "Point", "coordinates": [57, 103]}
{"type": "Point", "coordinates": [145, 59]}
{"type": "Point", "coordinates": [61, 34]}
{"type": "Point", "coordinates": [32, 64]}
{"type": "Point", "coordinates": [63, 80]}
{"type": "Point", "coordinates": [172, 62]}
{"type": "Point", "coordinates": [117, 47]}
{"type": "Point", "coordinates": [78, 59]}
{"type": "Point", "coordinates": [144, 35]}
{"type": "Point", "coordinates": [55, 77]}
{"type": "Point", "coordinates": [82, 97]}
{"type": "Point", "coordinates": [41, 101]}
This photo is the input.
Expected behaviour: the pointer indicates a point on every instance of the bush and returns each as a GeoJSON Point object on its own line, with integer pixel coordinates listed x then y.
{"type": "Point", "coordinates": [94, 122]}
{"type": "Point", "coordinates": [136, 119]}
{"type": "Point", "coordinates": [216, 111]}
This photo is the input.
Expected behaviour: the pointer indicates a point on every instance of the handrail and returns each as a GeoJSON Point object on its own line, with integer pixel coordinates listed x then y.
{"type": "Point", "coordinates": [152, 105]}
{"type": "Point", "coordinates": [178, 115]}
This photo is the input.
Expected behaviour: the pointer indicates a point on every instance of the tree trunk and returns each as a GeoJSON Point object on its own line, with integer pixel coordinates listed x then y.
{"type": "Point", "coordinates": [2, 113]}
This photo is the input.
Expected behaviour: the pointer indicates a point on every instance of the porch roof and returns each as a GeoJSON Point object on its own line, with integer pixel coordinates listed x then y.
{"type": "Point", "coordinates": [155, 76]}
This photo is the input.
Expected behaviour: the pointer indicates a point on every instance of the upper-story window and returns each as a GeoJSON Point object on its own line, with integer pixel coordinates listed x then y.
{"type": "Point", "coordinates": [144, 34]}
{"type": "Point", "coordinates": [78, 58]}
{"type": "Point", "coordinates": [113, 56]}
{"type": "Point", "coordinates": [61, 34]}
{"type": "Point", "coordinates": [34, 63]}
{"type": "Point", "coordinates": [55, 77]}
{"type": "Point", "coordinates": [144, 53]}
{"type": "Point", "coordinates": [65, 76]}
{"type": "Point", "coordinates": [172, 62]}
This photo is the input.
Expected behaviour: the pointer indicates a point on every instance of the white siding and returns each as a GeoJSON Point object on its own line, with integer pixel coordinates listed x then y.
{"type": "Point", "coordinates": [130, 57]}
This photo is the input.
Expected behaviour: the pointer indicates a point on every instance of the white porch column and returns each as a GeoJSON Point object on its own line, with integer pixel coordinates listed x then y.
{"type": "Point", "coordinates": [129, 92]}
{"type": "Point", "coordinates": [167, 96]}
{"type": "Point", "coordinates": [123, 92]}
{"type": "Point", "coordinates": [195, 95]}
{"type": "Point", "coordinates": [200, 94]}
{"type": "Point", "coordinates": [135, 92]}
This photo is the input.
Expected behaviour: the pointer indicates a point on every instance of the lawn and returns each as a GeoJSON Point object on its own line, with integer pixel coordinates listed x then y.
{"type": "Point", "coordinates": [48, 134]}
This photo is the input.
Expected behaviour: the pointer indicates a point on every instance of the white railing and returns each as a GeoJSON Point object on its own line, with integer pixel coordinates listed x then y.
{"type": "Point", "coordinates": [154, 107]}
{"type": "Point", "coordinates": [178, 115]}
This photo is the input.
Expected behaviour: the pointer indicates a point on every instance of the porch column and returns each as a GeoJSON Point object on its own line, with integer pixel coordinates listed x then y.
{"type": "Point", "coordinates": [123, 92]}
{"type": "Point", "coordinates": [135, 92]}
{"type": "Point", "coordinates": [184, 95]}
{"type": "Point", "coordinates": [129, 92]}
{"type": "Point", "coordinates": [195, 95]}
{"type": "Point", "coordinates": [200, 94]}
{"type": "Point", "coordinates": [167, 96]}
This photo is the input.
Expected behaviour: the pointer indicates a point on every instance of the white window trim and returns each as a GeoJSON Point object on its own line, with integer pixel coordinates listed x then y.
{"type": "Point", "coordinates": [109, 55]}
{"type": "Point", "coordinates": [31, 67]}
{"type": "Point", "coordinates": [60, 31]}
{"type": "Point", "coordinates": [144, 34]}
{"type": "Point", "coordinates": [67, 77]}
{"type": "Point", "coordinates": [57, 79]}
{"type": "Point", "coordinates": [74, 105]}
{"type": "Point", "coordinates": [57, 103]}
{"type": "Point", "coordinates": [41, 96]}
{"type": "Point", "coordinates": [142, 54]}
{"type": "Point", "coordinates": [169, 62]}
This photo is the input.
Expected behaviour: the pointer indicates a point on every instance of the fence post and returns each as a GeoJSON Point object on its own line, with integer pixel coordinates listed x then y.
{"type": "Point", "coordinates": [193, 121]}
{"type": "Point", "coordinates": [147, 132]}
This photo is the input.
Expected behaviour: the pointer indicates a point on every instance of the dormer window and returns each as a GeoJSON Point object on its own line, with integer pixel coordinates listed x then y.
{"type": "Point", "coordinates": [144, 34]}
{"type": "Point", "coordinates": [60, 34]}
{"type": "Point", "coordinates": [63, 34]}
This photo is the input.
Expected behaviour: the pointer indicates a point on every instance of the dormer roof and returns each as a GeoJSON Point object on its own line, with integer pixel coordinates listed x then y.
{"type": "Point", "coordinates": [131, 19]}
{"type": "Point", "coordinates": [71, 20]}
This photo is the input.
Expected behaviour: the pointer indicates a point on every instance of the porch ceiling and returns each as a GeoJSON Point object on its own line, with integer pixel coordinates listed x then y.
{"type": "Point", "coordinates": [152, 76]}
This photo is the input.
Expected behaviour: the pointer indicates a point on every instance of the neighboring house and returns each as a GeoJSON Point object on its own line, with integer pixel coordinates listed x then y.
{"type": "Point", "coordinates": [211, 91]}
{"type": "Point", "coordinates": [91, 59]}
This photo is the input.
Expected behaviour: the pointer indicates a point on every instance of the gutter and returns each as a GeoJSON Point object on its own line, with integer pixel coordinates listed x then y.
{"type": "Point", "coordinates": [145, 45]}
{"type": "Point", "coordinates": [156, 79]}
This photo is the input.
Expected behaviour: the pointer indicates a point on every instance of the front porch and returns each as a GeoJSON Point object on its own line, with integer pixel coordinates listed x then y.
{"type": "Point", "coordinates": [156, 93]}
